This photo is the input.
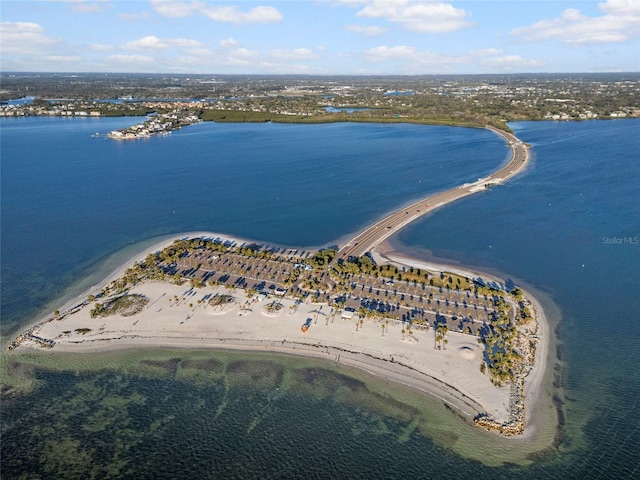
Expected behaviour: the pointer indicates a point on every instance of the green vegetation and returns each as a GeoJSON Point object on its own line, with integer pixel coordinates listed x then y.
{"type": "Point", "coordinates": [365, 266]}
{"type": "Point", "coordinates": [274, 307]}
{"type": "Point", "coordinates": [221, 300]}
{"type": "Point", "coordinates": [242, 116]}
{"type": "Point", "coordinates": [502, 357]}
{"type": "Point", "coordinates": [457, 100]}
{"type": "Point", "coordinates": [440, 333]}
{"type": "Point", "coordinates": [356, 282]}
{"type": "Point", "coordinates": [126, 305]}
{"type": "Point", "coordinates": [322, 258]}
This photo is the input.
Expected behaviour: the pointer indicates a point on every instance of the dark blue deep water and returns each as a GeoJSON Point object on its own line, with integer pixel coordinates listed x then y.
{"type": "Point", "coordinates": [69, 199]}
{"type": "Point", "coordinates": [569, 226]}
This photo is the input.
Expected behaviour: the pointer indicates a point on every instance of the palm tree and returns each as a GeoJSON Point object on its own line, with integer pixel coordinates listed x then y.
{"type": "Point", "coordinates": [441, 332]}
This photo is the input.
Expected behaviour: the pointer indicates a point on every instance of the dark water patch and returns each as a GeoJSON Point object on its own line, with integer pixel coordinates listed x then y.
{"type": "Point", "coordinates": [17, 378]}
{"type": "Point", "coordinates": [560, 436]}
{"type": "Point", "coordinates": [200, 371]}
{"type": "Point", "coordinates": [323, 383]}
{"type": "Point", "coordinates": [259, 376]}
{"type": "Point", "coordinates": [114, 423]}
{"type": "Point", "coordinates": [330, 380]}
{"type": "Point", "coordinates": [203, 363]}
{"type": "Point", "coordinates": [169, 367]}
{"type": "Point", "coordinates": [380, 409]}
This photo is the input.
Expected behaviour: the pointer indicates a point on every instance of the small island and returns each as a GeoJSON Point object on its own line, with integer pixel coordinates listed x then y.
{"type": "Point", "coordinates": [178, 116]}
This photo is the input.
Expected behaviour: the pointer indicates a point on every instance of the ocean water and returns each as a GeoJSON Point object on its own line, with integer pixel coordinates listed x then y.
{"type": "Point", "coordinates": [570, 227]}
{"type": "Point", "coordinates": [566, 226]}
{"type": "Point", "coordinates": [70, 199]}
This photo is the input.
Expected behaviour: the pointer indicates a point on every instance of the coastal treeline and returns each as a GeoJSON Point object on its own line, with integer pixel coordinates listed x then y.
{"type": "Point", "coordinates": [386, 291]}
{"type": "Point", "coordinates": [434, 99]}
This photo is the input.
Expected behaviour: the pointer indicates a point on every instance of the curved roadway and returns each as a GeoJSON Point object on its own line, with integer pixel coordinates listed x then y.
{"type": "Point", "coordinates": [383, 229]}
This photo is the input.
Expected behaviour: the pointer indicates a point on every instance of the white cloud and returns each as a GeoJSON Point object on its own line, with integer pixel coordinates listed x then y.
{"type": "Point", "coordinates": [221, 13]}
{"type": "Point", "coordinates": [229, 42]}
{"type": "Point", "coordinates": [133, 17]}
{"type": "Point", "coordinates": [97, 6]}
{"type": "Point", "coordinates": [511, 62]}
{"type": "Point", "coordinates": [285, 68]}
{"type": "Point", "coordinates": [383, 53]}
{"type": "Point", "coordinates": [259, 14]}
{"type": "Point", "coordinates": [244, 53]}
{"type": "Point", "coordinates": [151, 42]}
{"type": "Point", "coordinates": [620, 7]}
{"type": "Point", "coordinates": [411, 60]}
{"type": "Point", "coordinates": [295, 54]}
{"type": "Point", "coordinates": [372, 31]}
{"type": "Point", "coordinates": [184, 43]}
{"type": "Point", "coordinates": [347, 3]}
{"type": "Point", "coordinates": [171, 9]}
{"type": "Point", "coordinates": [130, 59]}
{"type": "Point", "coordinates": [418, 16]}
{"type": "Point", "coordinates": [486, 51]}
{"type": "Point", "coordinates": [410, 55]}
{"type": "Point", "coordinates": [23, 38]}
{"type": "Point", "coordinates": [101, 47]}
{"type": "Point", "coordinates": [62, 58]}
{"type": "Point", "coordinates": [86, 6]}
{"type": "Point", "coordinates": [620, 22]}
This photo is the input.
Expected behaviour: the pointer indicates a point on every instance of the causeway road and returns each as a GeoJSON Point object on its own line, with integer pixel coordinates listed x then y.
{"type": "Point", "coordinates": [383, 229]}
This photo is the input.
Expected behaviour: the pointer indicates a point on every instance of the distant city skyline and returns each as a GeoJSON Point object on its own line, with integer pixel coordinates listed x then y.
{"type": "Point", "coordinates": [320, 37]}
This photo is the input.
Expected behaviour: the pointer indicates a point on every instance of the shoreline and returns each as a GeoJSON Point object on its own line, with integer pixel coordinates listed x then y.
{"type": "Point", "coordinates": [385, 251]}
{"type": "Point", "coordinates": [396, 360]}
{"type": "Point", "coordinates": [494, 406]}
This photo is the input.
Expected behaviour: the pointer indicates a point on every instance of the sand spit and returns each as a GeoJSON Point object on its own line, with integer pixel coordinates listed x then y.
{"type": "Point", "coordinates": [184, 316]}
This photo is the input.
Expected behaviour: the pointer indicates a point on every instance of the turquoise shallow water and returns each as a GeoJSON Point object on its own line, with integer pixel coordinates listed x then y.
{"type": "Point", "coordinates": [69, 200]}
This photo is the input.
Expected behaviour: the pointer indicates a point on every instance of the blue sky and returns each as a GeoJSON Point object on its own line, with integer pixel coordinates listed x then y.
{"type": "Point", "coordinates": [368, 37]}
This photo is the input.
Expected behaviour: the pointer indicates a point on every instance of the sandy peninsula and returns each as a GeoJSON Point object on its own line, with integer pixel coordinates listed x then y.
{"type": "Point", "coordinates": [385, 253]}
{"type": "Point", "coordinates": [479, 349]}
{"type": "Point", "coordinates": [186, 316]}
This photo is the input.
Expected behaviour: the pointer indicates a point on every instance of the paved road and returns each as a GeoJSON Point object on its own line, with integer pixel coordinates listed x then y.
{"type": "Point", "coordinates": [381, 230]}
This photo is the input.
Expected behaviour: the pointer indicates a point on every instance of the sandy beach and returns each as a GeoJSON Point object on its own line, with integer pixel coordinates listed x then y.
{"type": "Point", "coordinates": [385, 253]}
{"type": "Point", "coordinates": [181, 316]}
{"type": "Point", "coordinates": [245, 324]}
